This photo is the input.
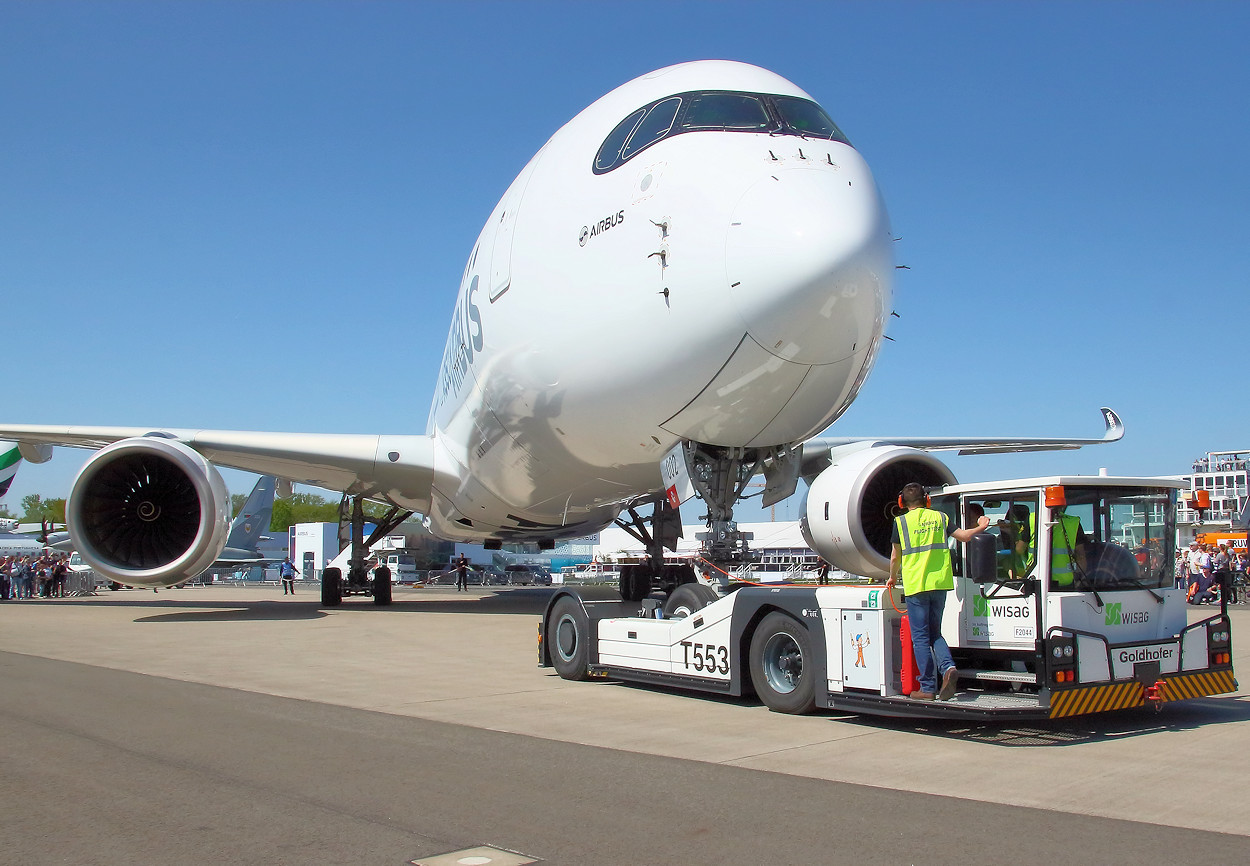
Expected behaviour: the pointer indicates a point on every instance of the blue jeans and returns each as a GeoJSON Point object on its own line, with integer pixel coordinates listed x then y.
{"type": "Point", "coordinates": [933, 656]}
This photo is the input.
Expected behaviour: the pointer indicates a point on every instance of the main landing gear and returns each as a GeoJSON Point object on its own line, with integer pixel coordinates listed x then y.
{"type": "Point", "coordinates": [657, 532]}
{"type": "Point", "coordinates": [351, 531]}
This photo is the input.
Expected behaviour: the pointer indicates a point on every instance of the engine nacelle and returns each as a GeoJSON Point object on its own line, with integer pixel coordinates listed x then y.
{"type": "Point", "coordinates": [850, 507]}
{"type": "Point", "coordinates": [148, 511]}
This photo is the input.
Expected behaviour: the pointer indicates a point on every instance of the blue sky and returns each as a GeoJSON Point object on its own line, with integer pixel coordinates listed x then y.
{"type": "Point", "coordinates": [255, 215]}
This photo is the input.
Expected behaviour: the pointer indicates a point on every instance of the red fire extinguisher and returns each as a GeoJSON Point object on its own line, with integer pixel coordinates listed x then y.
{"type": "Point", "coordinates": [907, 671]}
{"type": "Point", "coordinates": [908, 681]}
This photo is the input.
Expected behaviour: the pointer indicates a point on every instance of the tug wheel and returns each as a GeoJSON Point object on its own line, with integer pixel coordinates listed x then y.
{"type": "Point", "coordinates": [781, 665]}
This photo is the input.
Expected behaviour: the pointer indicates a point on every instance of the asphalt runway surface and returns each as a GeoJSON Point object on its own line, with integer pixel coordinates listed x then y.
{"type": "Point", "coordinates": [213, 725]}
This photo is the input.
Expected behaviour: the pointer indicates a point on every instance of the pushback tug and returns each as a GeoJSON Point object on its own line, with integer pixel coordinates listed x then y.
{"type": "Point", "coordinates": [1027, 646]}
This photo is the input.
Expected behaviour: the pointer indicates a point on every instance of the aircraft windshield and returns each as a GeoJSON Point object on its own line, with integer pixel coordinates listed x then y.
{"type": "Point", "coordinates": [726, 111]}
{"type": "Point", "coordinates": [806, 118]}
{"type": "Point", "coordinates": [712, 111]}
{"type": "Point", "coordinates": [654, 126]}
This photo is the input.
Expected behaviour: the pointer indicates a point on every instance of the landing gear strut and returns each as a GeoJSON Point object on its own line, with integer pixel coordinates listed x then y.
{"type": "Point", "coordinates": [351, 531]}
{"type": "Point", "coordinates": [657, 532]}
{"type": "Point", "coordinates": [720, 475]}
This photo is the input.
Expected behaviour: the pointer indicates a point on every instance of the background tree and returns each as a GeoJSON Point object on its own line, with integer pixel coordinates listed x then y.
{"type": "Point", "coordinates": [36, 509]}
{"type": "Point", "coordinates": [54, 509]}
{"type": "Point", "coordinates": [32, 508]}
{"type": "Point", "coordinates": [311, 508]}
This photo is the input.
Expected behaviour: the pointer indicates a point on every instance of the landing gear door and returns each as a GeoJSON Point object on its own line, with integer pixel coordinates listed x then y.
{"type": "Point", "coordinates": [1002, 612]}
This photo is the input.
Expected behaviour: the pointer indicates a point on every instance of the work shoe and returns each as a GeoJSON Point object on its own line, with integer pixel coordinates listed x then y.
{"type": "Point", "coordinates": [950, 679]}
{"type": "Point", "coordinates": [921, 696]}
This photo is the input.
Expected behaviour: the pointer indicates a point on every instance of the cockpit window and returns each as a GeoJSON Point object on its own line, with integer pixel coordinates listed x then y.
{"type": "Point", "coordinates": [806, 118]}
{"type": "Point", "coordinates": [726, 111]}
{"type": "Point", "coordinates": [610, 151]}
{"type": "Point", "coordinates": [713, 111]}
{"type": "Point", "coordinates": [654, 126]}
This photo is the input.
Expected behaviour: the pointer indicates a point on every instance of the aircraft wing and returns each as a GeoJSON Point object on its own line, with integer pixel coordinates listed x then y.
{"type": "Point", "coordinates": [397, 469]}
{"type": "Point", "coordinates": [816, 451]}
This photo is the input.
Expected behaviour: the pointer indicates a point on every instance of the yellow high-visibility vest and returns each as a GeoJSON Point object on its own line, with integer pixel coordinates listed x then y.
{"type": "Point", "coordinates": [1024, 561]}
{"type": "Point", "coordinates": [1063, 537]}
{"type": "Point", "coordinates": [926, 560]}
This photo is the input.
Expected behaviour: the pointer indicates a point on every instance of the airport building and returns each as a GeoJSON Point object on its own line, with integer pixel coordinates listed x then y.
{"type": "Point", "coordinates": [1224, 478]}
{"type": "Point", "coordinates": [313, 545]}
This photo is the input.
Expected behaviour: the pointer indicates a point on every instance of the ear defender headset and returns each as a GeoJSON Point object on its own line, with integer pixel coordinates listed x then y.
{"type": "Point", "coordinates": [928, 503]}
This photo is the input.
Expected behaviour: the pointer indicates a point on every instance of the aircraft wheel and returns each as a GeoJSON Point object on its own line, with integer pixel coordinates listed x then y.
{"type": "Point", "coordinates": [687, 598]}
{"type": "Point", "coordinates": [382, 586]}
{"type": "Point", "coordinates": [627, 581]}
{"type": "Point", "coordinates": [568, 639]}
{"type": "Point", "coordinates": [635, 582]}
{"type": "Point", "coordinates": [781, 665]}
{"type": "Point", "coordinates": [673, 576]}
{"type": "Point", "coordinates": [332, 587]}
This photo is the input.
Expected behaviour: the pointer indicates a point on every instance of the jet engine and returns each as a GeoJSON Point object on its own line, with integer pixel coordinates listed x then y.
{"type": "Point", "coordinates": [850, 506]}
{"type": "Point", "coordinates": [148, 511]}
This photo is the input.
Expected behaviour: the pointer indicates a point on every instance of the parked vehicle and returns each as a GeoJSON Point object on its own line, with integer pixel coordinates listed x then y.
{"type": "Point", "coordinates": [523, 575]}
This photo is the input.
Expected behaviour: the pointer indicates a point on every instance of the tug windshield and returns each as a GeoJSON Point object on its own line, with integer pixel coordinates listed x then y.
{"type": "Point", "coordinates": [1128, 538]}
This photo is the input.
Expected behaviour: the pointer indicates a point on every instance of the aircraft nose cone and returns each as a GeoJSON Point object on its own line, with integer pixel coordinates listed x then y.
{"type": "Point", "coordinates": [809, 265]}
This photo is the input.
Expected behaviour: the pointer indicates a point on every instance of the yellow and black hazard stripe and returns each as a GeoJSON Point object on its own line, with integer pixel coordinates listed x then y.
{"type": "Point", "coordinates": [1122, 696]}
{"type": "Point", "coordinates": [1095, 699]}
{"type": "Point", "coordinates": [1185, 686]}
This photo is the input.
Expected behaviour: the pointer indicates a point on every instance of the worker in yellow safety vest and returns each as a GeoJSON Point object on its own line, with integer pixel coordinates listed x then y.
{"type": "Point", "coordinates": [1023, 522]}
{"type": "Point", "coordinates": [919, 553]}
{"type": "Point", "coordinates": [1067, 550]}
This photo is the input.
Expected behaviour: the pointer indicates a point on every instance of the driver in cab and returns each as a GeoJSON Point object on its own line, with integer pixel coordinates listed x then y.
{"type": "Point", "coordinates": [1067, 550]}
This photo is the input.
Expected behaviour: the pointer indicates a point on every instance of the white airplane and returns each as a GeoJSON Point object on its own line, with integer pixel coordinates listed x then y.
{"type": "Point", "coordinates": [735, 240]}
{"type": "Point", "coordinates": [15, 544]}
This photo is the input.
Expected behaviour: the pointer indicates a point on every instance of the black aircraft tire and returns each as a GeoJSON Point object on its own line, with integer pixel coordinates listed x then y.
{"type": "Point", "coordinates": [687, 598]}
{"type": "Point", "coordinates": [782, 665]}
{"type": "Point", "coordinates": [382, 586]}
{"type": "Point", "coordinates": [635, 582]}
{"type": "Point", "coordinates": [331, 587]}
{"type": "Point", "coordinates": [568, 639]}
{"type": "Point", "coordinates": [626, 581]}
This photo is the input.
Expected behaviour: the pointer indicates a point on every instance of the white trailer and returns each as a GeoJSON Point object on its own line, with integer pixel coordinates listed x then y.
{"type": "Point", "coordinates": [1025, 645]}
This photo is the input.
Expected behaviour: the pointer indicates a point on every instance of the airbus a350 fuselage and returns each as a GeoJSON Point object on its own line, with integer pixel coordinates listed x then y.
{"type": "Point", "coordinates": [699, 255]}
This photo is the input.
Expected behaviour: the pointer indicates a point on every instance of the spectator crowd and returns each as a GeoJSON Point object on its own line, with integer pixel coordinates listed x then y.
{"type": "Point", "coordinates": [1210, 573]}
{"type": "Point", "coordinates": [41, 576]}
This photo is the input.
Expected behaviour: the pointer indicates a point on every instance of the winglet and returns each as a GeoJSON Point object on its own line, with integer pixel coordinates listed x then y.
{"type": "Point", "coordinates": [1115, 427]}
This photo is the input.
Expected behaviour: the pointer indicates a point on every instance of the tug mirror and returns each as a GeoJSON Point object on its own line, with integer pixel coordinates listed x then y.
{"type": "Point", "coordinates": [983, 558]}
